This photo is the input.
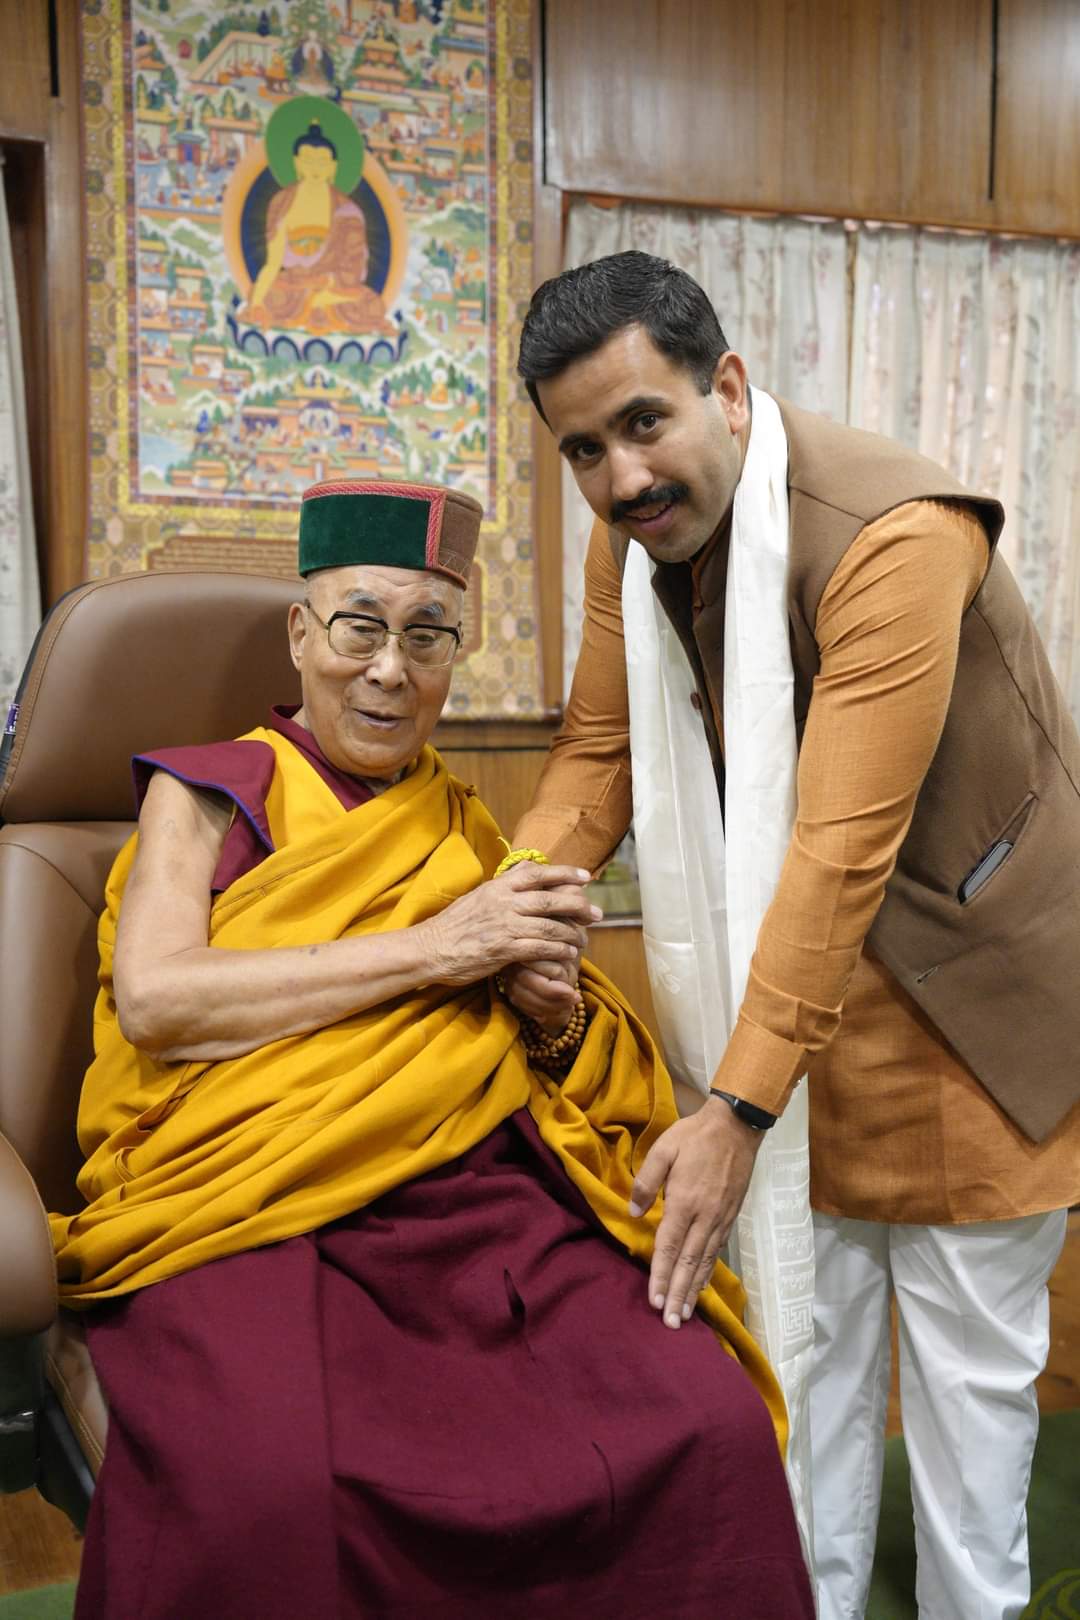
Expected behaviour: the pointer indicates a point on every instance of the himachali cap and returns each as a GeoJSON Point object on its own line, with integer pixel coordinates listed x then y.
{"type": "Point", "coordinates": [397, 525]}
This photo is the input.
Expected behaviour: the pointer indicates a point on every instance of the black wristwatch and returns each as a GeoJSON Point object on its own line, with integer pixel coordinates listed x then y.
{"type": "Point", "coordinates": [756, 1118]}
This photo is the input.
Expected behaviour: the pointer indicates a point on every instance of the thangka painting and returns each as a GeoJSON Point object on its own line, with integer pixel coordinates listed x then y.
{"type": "Point", "coordinates": [309, 247]}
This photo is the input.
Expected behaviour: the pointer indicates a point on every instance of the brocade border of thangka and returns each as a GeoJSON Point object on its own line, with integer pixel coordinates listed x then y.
{"type": "Point", "coordinates": [500, 677]}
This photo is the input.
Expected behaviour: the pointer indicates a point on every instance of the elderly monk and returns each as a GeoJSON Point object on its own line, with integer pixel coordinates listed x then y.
{"type": "Point", "coordinates": [367, 1301]}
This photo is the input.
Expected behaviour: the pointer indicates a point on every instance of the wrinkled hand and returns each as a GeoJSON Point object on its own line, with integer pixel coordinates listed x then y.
{"type": "Point", "coordinates": [544, 991]}
{"type": "Point", "coordinates": [704, 1165]}
{"type": "Point", "coordinates": [531, 913]}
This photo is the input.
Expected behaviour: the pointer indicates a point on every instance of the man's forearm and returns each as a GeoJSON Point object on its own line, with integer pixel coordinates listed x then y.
{"type": "Point", "coordinates": [583, 802]}
{"type": "Point", "coordinates": [582, 807]}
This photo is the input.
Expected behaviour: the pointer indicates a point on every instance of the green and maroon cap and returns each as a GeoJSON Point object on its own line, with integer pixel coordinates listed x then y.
{"type": "Point", "coordinates": [397, 525]}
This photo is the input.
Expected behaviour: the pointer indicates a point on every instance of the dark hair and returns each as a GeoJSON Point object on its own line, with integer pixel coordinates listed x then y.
{"type": "Point", "coordinates": [314, 137]}
{"type": "Point", "coordinates": [575, 313]}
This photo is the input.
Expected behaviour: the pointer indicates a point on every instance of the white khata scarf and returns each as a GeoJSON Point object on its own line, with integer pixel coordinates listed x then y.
{"type": "Point", "coordinates": [705, 886]}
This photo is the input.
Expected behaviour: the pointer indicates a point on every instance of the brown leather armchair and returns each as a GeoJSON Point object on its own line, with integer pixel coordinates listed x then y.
{"type": "Point", "coordinates": [120, 666]}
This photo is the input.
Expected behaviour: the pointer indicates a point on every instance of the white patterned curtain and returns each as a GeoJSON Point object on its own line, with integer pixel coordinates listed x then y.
{"type": "Point", "coordinates": [19, 599]}
{"type": "Point", "coordinates": [968, 349]}
{"type": "Point", "coordinates": [779, 287]}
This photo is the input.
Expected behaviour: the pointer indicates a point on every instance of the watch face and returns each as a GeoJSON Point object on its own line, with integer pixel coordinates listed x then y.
{"type": "Point", "coordinates": [757, 1117]}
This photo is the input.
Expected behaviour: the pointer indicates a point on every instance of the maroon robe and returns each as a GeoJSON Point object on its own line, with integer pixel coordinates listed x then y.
{"type": "Point", "coordinates": [456, 1402]}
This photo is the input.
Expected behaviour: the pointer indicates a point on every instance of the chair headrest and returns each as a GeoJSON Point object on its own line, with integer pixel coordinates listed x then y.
{"type": "Point", "coordinates": [139, 662]}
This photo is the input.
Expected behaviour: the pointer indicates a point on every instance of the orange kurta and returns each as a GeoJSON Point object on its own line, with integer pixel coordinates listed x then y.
{"type": "Point", "coordinates": [900, 1128]}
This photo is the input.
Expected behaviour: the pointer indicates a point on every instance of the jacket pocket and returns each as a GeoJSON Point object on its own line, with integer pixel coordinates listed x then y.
{"type": "Point", "coordinates": [997, 852]}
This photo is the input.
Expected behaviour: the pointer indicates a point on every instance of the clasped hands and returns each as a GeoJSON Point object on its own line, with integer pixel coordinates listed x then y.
{"type": "Point", "coordinates": [529, 925]}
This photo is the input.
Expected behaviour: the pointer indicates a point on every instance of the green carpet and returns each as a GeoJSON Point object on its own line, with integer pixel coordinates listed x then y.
{"type": "Point", "coordinates": [45, 1603]}
{"type": "Point", "coordinates": [1053, 1530]}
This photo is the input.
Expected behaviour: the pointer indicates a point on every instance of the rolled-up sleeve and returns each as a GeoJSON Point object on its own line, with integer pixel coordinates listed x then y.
{"type": "Point", "coordinates": [888, 631]}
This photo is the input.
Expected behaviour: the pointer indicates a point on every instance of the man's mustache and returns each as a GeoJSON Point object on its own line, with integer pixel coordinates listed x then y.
{"type": "Point", "coordinates": [665, 495]}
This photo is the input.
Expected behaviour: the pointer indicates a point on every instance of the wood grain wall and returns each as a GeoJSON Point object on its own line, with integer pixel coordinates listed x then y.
{"type": "Point", "coordinates": [958, 112]}
{"type": "Point", "coordinates": [40, 143]}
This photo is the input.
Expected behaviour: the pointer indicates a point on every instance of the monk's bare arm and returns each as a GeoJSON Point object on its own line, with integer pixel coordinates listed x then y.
{"type": "Point", "coordinates": [178, 997]}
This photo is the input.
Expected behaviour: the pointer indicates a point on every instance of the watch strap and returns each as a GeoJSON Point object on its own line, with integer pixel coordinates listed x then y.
{"type": "Point", "coordinates": [757, 1118]}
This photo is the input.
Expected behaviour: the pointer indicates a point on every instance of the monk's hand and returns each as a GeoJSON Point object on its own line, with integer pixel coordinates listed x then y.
{"type": "Point", "coordinates": [544, 991]}
{"type": "Point", "coordinates": [704, 1164]}
{"type": "Point", "coordinates": [531, 913]}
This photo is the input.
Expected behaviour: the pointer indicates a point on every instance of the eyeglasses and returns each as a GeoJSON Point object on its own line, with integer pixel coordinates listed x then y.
{"type": "Point", "coordinates": [360, 635]}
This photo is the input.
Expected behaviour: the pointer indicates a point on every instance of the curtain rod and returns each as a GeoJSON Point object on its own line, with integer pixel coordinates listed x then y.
{"type": "Point", "coordinates": [849, 221]}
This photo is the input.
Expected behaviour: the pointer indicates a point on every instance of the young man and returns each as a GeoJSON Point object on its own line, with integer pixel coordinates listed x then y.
{"type": "Point", "coordinates": [361, 1284]}
{"type": "Point", "coordinates": [836, 595]}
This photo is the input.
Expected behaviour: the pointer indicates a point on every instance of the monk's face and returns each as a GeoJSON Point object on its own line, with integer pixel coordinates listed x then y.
{"type": "Point", "coordinates": [315, 163]}
{"type": "Point", "coordinates": [654, 457]}
{"type": "Point", "coordinates": [371, 717]}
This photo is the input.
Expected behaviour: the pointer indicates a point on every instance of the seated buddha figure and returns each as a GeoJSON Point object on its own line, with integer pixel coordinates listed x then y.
{"type": "Point", "coordinates": [317, 253]}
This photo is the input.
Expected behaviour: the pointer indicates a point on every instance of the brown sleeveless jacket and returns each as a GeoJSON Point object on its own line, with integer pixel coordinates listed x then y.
{"type": "Point", "coordinates": [997, 973]}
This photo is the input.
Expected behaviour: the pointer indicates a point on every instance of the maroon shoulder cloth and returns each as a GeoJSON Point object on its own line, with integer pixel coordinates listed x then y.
{"type": "Point", "coordinates": [243, 771]}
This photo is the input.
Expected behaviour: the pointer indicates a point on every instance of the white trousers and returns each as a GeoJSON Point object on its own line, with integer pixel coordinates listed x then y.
{"type": "Point", "coordinates": [974, 1334]}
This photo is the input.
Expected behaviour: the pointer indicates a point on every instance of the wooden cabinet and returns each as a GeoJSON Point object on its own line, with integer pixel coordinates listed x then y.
{"type": "Point", "coordinates": [1037, 146]}
{"type": "Point", "coordinates": [24, 71]}
{"type": "Point", "coordinates": [951, 112]}
{"type": "Point", "coordinates": [886, 108]}
{"type": "Point", "coordinates": [661, 98]}
{"type": "Point", "coordinates": [829, 106]}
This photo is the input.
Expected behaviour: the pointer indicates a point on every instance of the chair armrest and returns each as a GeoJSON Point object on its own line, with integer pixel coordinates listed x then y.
{"type": "Point", "coordinates": [27, 1267]}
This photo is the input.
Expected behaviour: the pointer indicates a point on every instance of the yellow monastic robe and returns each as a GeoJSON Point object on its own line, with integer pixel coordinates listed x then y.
{"type": "Point", "coordinates": [189, 1162]}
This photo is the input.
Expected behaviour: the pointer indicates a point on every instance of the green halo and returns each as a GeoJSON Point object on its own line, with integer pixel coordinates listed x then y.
{"type": "Point", "coordinates": [293, 119]}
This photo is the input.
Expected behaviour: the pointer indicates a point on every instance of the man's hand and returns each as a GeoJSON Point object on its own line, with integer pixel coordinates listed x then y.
{"type": "Point", "coordinates": [530, 913]}
{"type": "Point", "coordinates": [544, 991]}
{"type": "Point", "coordinates": [703, 1164]}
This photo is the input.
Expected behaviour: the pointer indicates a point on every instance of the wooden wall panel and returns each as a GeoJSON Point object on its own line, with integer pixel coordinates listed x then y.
{"type": "Point", "coordinates": [1037, 169]}
{"type": "Point", "coordinates": [663, 98]}
{"type": "Point", "coordinates": [69, 449]}
{"type": "Point", "coordinates": [502, 760]}
{"type": "Point", "coordinates": [24, 69]}
{"type": "Point", "coordinates": [815, 106]}
{"type": "Point", "coordinates": [44, 187]}
{"type": "Point", "coordinates": [886, 109]}
{"type": "Point", "coordinates": [24, 191]}
{"type": "Point", "coordinates": [504, 778]}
